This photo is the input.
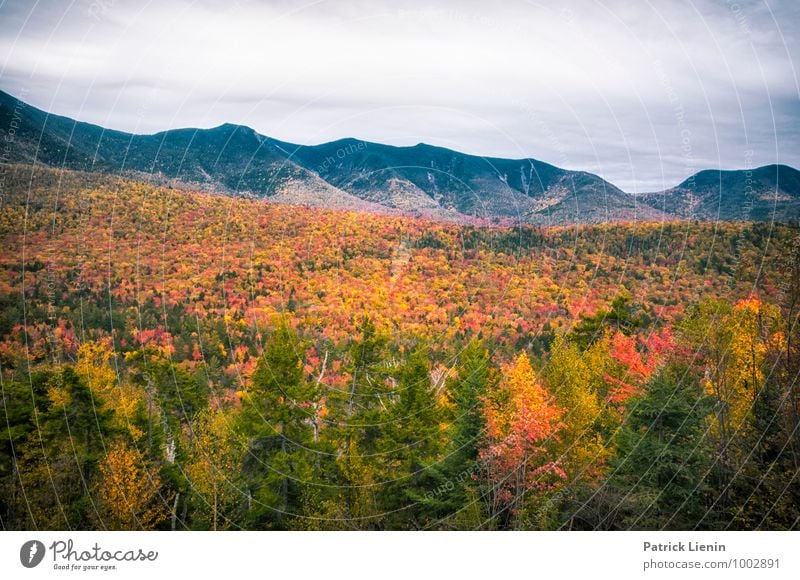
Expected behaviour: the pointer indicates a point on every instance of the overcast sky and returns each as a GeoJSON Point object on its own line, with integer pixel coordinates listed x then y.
{"type": "Point", "coordinates": [641, 93]}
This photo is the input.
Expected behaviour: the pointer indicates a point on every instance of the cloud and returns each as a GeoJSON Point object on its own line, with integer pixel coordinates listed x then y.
{"type": "Point", "coordinates": [615, 88]}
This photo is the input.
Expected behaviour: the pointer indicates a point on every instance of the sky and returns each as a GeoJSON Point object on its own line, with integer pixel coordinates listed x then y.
{"type": "Point", "coordinates": [641, 93]}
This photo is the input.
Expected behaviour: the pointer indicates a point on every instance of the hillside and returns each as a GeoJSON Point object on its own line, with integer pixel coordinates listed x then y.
{"type": "Point", "coordinates": [769, 193]}
{"type": "Point", "coordinates": [347, 174]}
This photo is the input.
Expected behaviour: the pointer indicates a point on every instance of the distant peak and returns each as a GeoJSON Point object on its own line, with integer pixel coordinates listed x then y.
{"type": "Point", "coordinates": [231, 127]}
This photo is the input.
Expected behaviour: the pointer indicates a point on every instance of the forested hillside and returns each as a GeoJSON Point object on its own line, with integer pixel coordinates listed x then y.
{"type": "Point", "coordinates": [179, 360]}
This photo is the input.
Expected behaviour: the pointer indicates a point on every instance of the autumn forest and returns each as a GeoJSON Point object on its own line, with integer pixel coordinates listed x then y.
{"type": "Point", "coordinates": [181, 360]}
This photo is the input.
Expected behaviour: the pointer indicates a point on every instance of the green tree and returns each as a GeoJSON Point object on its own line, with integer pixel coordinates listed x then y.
{"type": "Point", "coordinates": [663, 457]}
{"type": "Point", "coordinates": [411, 442]}
{"type": "Point", "coordinates": [56, 451]}
{"type": "Point", "coordinates": [367, 355]}
{"type": "Point", "coordinates": [357, 415]}
{"type": "Point", "coordinates": [764, 494]}
{"type": "Point", "coordinates": [453, 486]}
{"type": "Point", "coordinates": [621, 316]}
{"type": "Point", "coordinates": [276, 424]}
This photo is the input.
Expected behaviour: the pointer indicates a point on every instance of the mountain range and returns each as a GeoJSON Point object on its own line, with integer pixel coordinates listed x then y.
{"type": "Point", "coordinates": [351, 174]}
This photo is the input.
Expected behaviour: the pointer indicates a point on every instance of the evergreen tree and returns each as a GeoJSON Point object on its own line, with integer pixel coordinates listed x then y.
{"type": "Point", "coordinates": [454, 477]}
{"type": "Point", "coordinates": [663, 456]}
{"type": "Point", "coordinates": [357, 414]}
{"type": "Point", "coordinates": [621, 316]}
{"type": "Point", "coordinates": [55, 462]}
{"type": "Point", "coordinates": [276, 422]}
{"type": "Point", "coordinates": [366, 358]}
{"type": "Point", "coordinates": [410, 443]}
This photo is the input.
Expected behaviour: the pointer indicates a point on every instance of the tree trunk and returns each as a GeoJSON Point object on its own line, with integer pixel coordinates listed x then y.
{"type": "Point", "coordinates": [175, 511]}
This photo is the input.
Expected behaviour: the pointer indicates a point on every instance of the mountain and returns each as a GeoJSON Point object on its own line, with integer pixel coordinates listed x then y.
{"type": "Point", "coordinates": [351, 174]}
{"type": "Point", "coordinates": [424, 177]}
{"type": "Point", "coordinates": [228, 159]}
{"type": "Point", "coordinates": [769, 193]}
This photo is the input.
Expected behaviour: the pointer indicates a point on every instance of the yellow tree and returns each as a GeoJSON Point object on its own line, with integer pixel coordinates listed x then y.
{"type": "Point", "coordinates": [213, 462]}
{"type": "Point", "coordinates": [581, 449]}
{"type": "Point", "coordinates": [120, 396]}
{"type": "Point", "coordinates": [93, 366]}
{"type": "Point", "coordinates": [129, 491]}
{"type": "Point", "coordinates": [755, 331]}
{"type": "Point", "coordinates": [733, 343]}
{"type": "Point", "coordinates": [522, 422]}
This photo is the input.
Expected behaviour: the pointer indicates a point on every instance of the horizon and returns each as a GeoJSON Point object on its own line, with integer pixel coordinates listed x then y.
{"type": "Point", "coordinates": [642, 96]}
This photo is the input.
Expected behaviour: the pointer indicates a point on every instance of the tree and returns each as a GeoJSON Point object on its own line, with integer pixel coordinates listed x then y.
{"type": "Point", "coordinates": [410, 443]}
{"type": "Point", "coordinates": [93, 366]}
{"type": "Point", "coordinates": [756, 330]}
{"type": "Point", "coordinates": [366, 356]}
{"type": "Point", "coordinates": [620, 317]}
{"type": "Point", "coordinates": [129, 491]}
{"type": "Point", "coordinates": [732, 343]}
{"type": "Point", "coordinates": [789, 269]}
{"type": "Point", "coordinates": [212, 468]}
{"type": "Point", "coordinates": [581, 449]}
{"type": "Point", "coordinates": [522, 423]}
{"type": "Point", "coordinates": [764, 494]}
{"type": "Point", "coordinates": [357, 414]}
{"type": "Point", "coordinates": [56, 454]}
{"type": "Point", "coordinates": [661, 469]}
{"type": "Point", "coordinates": [760, 496]}
{"type": "Point", "coordinates": [276, 422]}
{"type": "Point", "coordinates": [454, 477]}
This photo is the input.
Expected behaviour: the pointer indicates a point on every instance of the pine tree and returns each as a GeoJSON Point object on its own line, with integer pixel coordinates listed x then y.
{"type": "Point", "coordinates": [621, 316]}
{"type": "Point", "coordinates": [454, 478]}
{"type": "Point", "coordinates": [276, 421]}
{"type": "Point", "coordinates": [56, 461]}
{"type": "Point", "coordinates": [410, 443]}
{"type": "Point", "coordinates": [663, 457]}
{"type": "Point", "coordinates": [357, 414]}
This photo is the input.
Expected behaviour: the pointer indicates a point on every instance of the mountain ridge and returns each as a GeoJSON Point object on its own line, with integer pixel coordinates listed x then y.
{"type": "Point", "coordinates": [767, 193]}
{"type": "Point", "coordinates": [419, 179]}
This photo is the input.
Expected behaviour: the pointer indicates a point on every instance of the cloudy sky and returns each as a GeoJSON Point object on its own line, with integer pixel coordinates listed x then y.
{"type": "Point", "coordinates": [642, 93]}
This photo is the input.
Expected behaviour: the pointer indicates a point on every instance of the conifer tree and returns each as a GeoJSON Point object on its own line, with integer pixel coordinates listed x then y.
{"type": "Point", "coordinates": [276, 422]}
{"type": "Point", "coordinates": [454, 477]}
{"type": "Point", "coordinates": [661, 471]}
{"type": "Point", "coordinates": [410, 444]}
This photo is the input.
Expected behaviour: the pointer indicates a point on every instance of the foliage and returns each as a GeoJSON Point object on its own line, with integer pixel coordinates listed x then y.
{"type": "Point", "coordinates": [199, 362]}
{"type": "Point", "coordinates": [129, 491]}
{"type": "Point", "coordinates": [522, 422]}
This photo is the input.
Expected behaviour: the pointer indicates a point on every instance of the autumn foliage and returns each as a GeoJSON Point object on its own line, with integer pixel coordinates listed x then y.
{"type": "Point", "coordinates": [128, 491]}
{"type": "Point", "coordinates": [521, 420]}
{"type": "Point", "coordinates": [175, 359]}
